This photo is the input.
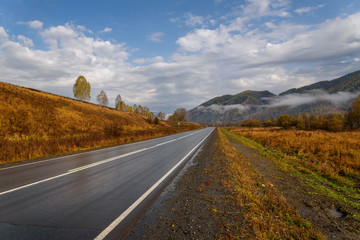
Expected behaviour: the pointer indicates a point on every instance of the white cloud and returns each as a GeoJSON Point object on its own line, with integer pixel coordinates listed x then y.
{"type": "Point", "coordinates": [193, 20]}
{"type": "Point", "coordinates": [141, 61]}
{"type": "Point", "coordinates": [36, 24]}
{"type": "Point", "coordinates": [308, 9]}
{"type": "Point", "coordinates": [156, 37]}
{"type": "Point", "coordinates": [262, 8]}
{"type": "Point", "coordinates": [106, 30]}
{"type": "Point", "coordinates": [27, 42]}
{"type": "Point", "coordinates": [270, 25]}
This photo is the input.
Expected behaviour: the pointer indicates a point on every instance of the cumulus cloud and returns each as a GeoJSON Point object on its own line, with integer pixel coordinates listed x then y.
{"type": "Point", "coordinates": [36, 24]}
{"type": "Point", "coordinates": [156, 37]}
{"type": "Point", "coordinates": [27, 42]}
{"type": "Point", "coordinates": [71, 53]}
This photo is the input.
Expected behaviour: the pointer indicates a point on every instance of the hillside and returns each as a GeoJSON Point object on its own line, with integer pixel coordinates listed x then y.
{"type": "Point", "coordinates": [247, 97]}
{"type": "Point", "coordinates": [36, 124]}
{"type": "Point", "coordinates": [347, 83]}
{"type": "Point", "coordinates": [320, 98]}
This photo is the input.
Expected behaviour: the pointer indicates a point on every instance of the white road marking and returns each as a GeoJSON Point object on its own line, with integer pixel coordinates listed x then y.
{"type": "Point", "coordinates": [94, 164]}
{"type": "Point", "coordinates": [117, 221]}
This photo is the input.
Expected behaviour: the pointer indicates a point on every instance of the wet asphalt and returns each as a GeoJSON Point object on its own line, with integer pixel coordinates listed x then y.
{"type": "Point", "coordinates": [78, 196]}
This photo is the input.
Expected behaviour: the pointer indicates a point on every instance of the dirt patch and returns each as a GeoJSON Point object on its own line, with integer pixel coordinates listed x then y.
{"type": "Point", "coordinates": [195, 207]}
{"type": "Point", "coordinates": [327, 214]}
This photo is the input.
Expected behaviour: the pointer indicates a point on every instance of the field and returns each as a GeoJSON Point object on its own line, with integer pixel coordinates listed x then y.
{"type": "Point", "coordinates": [36, 124]}
{"type": "Point", "coordinates": [328, 162]}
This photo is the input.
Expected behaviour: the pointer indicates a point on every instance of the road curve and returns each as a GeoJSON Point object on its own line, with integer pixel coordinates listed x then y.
{"type": "Point", "coordinates": [90, 195]}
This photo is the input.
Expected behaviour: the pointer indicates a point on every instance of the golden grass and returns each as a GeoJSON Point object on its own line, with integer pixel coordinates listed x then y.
{"type": "Point", "coordinates": [327, 152]}
{"type": "Point", "coordinates": [35, 124]}
{"type": "Point", "coordinates": [265, 210]}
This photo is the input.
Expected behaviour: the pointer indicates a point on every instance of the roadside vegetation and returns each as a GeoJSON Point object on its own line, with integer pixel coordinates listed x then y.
{"type": "Point", "coordinates": [266, 212]}
{"type": "Point", "coordinates": [35, 124]}
{"type": "Point", "coordinates": [327, 161]}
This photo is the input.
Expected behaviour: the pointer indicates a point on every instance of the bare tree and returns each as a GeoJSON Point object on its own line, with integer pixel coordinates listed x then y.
{"type": "Point", "coordinates": [118, 100]}
{"type": "Point", "coordinates": [102, 98]}
{"type": "Point", "coordinates": [161, 116]}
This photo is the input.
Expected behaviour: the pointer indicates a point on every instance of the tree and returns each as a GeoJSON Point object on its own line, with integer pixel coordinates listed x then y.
{"type": "Point", "coordinates": [353, 115]}
{"type": "Point", "coordinates": [102, 98]}
{"type": "Point", "coordinates": [121, 106]}
{"type": "Point", "coordinates": [118, 100]}
{"type": "Point", "coordinates": [178, 115]}
{"type": "Point", "coordinates": [161, 116]}
{"type": "Point", "coordinates": [251, 123]}
{"type": "Point", "coordinates": [82, 89]}
{"type": "Point", "coordinates": [287, 121]}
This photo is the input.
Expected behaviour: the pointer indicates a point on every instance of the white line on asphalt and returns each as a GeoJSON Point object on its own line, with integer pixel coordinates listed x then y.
{"type": "Point", "coordinates": [94, 164]}
{"type": "Point", "coordinates": [117, 221]}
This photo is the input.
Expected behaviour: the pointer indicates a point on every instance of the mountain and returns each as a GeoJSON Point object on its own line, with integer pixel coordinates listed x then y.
{"type": "Point", "coordinates": [248, 97]}
{"type": "Point", "coordinates": [347, 83]}
{"type": "Point", "coordinates": [322, 97]}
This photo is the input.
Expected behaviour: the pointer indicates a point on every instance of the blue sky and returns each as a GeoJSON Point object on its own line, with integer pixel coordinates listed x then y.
{"type": "Point", "coordinates": [169, 54]}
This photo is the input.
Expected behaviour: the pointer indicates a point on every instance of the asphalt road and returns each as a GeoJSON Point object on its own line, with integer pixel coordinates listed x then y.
{"type": "Point", "coordinates": [91, 195]}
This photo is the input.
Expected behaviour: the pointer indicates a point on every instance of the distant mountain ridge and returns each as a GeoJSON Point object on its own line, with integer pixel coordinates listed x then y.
{"type": "Point", "coordinates": [347, 83]}
{"type": "Point", "coordinates": [322, 97]}
{"type": "Point", "coordinates": [247, 97]}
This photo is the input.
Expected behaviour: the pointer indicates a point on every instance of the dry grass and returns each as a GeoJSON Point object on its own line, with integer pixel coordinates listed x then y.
{"type": "Point", "coordinates": [35, 124]}
{"type": "Point", "coordinates": [328, 162]}
{"type": "Point", "coordinates": [326, 152]}
{"type": "Point", "coordinates": [265, 210]}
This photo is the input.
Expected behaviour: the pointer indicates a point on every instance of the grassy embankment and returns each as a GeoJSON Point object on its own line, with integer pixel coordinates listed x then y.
{"type": "Point", "coordinates": [36, 124]}
{"type": "Point", "coordinates": [265, 210]}
{"type": "Point", "coordinates": [329, 162]}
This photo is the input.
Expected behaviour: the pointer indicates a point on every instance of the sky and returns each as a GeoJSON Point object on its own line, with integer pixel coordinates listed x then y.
{"type": "Point", "coordinates": [167, 54]}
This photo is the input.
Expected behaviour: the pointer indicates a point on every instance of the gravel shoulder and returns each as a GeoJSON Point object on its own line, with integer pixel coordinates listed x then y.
{"type": "Point", "coordinates": [194, 206]}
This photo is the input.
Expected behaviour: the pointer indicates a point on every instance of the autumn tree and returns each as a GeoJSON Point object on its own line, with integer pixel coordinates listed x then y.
{"type": "Point", "coordinates": [353, 115]}
{"type": "Point", "coordinates": [102, 98]}
{"type": "Point", "coordinates": [118, 100]}
{"type": "Point", "coordinates": [178, 115]}
{"type": "Point", "coordinates": [82, 89]}
{"type": "Point", "coordinates": [287, 121]}
{"type": "Point", "coordinates": [121, 106]}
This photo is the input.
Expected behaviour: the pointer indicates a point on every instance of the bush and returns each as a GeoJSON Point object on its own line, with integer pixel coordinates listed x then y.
{"type": "Point", "coordinates": [251, 123]}
{"type": "Point", "coordinates": [156, 121]}
{"type": "Point", "coordinates": [113, 130]}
